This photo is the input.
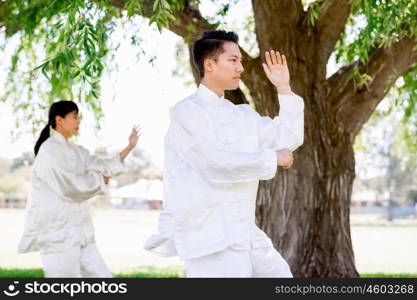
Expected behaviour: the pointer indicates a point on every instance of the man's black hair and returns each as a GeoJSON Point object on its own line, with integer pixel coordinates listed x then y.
{"type": "Point", "coordinates": [210, 45]}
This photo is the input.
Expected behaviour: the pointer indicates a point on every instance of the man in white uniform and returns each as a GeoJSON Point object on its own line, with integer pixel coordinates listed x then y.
{"type": "Point", "coordinates": [215, 154]}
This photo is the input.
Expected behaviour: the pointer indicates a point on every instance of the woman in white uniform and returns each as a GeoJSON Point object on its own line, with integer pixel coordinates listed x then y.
{"type": "Point", "coordinates": [64, 177]}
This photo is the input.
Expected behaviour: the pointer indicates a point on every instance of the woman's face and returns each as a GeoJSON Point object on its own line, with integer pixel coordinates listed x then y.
{"type": "Point", "coordinates": [70, 124]}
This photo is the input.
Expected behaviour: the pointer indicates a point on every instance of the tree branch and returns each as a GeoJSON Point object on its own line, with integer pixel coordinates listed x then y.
{"type": "Point", "coordinates": [276, 21]}
{"type": "Point", "coordinates": [277, 25]}
{"type": "Point", "coordinates": [353, 105]}
{"type": "Point", "coordinates": [190, 25]}
{"type": "Point", "coordinates": [330, 24]}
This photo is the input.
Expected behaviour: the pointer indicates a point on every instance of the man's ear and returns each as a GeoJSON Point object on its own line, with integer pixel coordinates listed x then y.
{"type": "Point", "coordinates": [208, 64]}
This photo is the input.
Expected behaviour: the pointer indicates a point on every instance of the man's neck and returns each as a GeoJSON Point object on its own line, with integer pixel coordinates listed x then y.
{"type": "Point", "coordinates": [213, 87]}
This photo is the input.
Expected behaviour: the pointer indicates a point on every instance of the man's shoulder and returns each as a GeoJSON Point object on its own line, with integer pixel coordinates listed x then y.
{"type": "Point", "coordinates": [188, 105]}
{"type": "Point", "coordinates": [244, 107]}
{"type": "Point", "coordinates": [246, 110]}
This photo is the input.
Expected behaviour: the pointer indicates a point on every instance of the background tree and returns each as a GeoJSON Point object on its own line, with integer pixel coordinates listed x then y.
{"type": "Point", "coordinates": [306, 208]}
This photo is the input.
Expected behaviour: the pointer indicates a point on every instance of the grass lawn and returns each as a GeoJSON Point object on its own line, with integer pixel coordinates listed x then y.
{"type": "Point", "coordinates": [382, 275]}
{"type": "Point", "coordinates": [152, 272]}
{"type": "Point", "coordinates": [142, 272]}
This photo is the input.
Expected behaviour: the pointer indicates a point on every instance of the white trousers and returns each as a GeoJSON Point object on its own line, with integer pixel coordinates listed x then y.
{"type": "Point", "coordinates": [260, 262]}
{"type": "Point", "coordinates": [78, 261]}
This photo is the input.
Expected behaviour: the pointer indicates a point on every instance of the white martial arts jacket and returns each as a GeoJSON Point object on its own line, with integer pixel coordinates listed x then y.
{"type": "Point", "coordinates": [215, 154]}
{"type": "Point", "coordinates": [64, 176]}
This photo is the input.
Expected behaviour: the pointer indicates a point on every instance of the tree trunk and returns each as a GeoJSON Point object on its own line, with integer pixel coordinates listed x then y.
{"type": "Point", "coordinates": [305, 209]}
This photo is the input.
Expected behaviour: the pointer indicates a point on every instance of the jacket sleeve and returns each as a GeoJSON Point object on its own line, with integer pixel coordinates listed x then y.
{"type": "Point", "coordinates": [198, 146]}
{"type": "Point", "coordinates": [108, 167]}
{"type": "Point", "coordinates": [52, 167]}
{"type": "Point", "coordinates": [285, 130]}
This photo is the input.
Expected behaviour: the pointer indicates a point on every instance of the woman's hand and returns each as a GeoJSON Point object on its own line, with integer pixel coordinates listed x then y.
{"type": "Point", "coordinates": [133, 140]}
{"type": "Point", "coordinates": [134, 136]}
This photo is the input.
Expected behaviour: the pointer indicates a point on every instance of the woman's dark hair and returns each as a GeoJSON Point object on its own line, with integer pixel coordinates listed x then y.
{"type": "Point", "coordinates": [210, 45]}
{"type": "Point", "coordinates": [60, 108]}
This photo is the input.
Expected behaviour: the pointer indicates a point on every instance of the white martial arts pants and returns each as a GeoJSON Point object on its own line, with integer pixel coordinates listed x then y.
{"type": "Point", "coordinates": [78, 261]}
{"type": "Point", "coordinates": [259, 262]}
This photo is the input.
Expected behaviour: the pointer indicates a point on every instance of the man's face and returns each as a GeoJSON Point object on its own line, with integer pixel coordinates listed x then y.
{"type": "Point", "coordinates": [225, 71]}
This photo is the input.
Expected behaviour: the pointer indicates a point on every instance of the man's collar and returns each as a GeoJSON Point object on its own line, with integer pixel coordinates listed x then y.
{"type": "Point", "coordinates": [210, 96]}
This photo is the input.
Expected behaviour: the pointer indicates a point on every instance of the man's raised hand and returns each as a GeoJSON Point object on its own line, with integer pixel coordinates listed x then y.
{"type": "Point", "coordinates": [276, 69]}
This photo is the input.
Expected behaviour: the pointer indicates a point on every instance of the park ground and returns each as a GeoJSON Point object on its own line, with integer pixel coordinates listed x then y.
{"type": "Point", "coordinates": [380, 247]}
